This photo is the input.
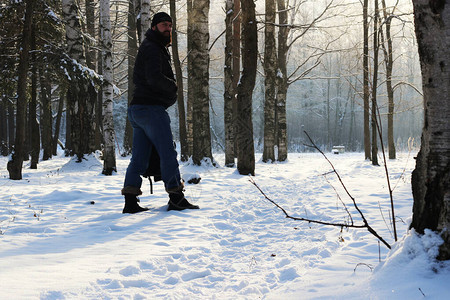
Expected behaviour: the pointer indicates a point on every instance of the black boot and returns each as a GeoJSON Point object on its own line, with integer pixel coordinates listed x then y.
{"type": "Point", "coordinates": [178, 202]}
{"type": "Point", "coordinates": [131, 205]}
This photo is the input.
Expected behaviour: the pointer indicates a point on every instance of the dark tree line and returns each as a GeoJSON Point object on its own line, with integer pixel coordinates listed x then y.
{"type": "Point", "coordinates": [31, 59]}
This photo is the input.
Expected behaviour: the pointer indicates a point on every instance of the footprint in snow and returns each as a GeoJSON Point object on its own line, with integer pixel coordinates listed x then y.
{"type": "Point", "coordinates": [171, 280]}
{"type": "Point", "coordinates": [195, 274]}
{"type": "Point", "coordinates": [129, 271]}
{"type": "Point", "coordinates": [110, 284]}
{"type": "Point", "coordinates": [288, 274]}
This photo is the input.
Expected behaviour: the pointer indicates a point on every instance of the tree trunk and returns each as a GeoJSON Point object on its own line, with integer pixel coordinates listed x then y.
{"type": "Point", "coordinates": [32, 108]}
{"type": "Point", "coordinates": [145, 17]}
{"type": "Point", "coordinates": [90, 28]}
{"type": "Point", "coordinates": [366, 93]}
{"type": "Point", "coordinates": [26, 144]}
{"type": "Point", "coordinates": [33, 125]}
{"type": "Point", "coordinates": [228, 95]}
{"type": "Point", "coordinates": [190, 82]}
{"type": "Point", "coordinates": [46, 111]}
{"type": "Point", "coordinates": [91, 64]}
{"type": "Point", "coordinates": [374, 88]}
{"type": "Point", "coordinates": [270, 72]}
{"type": "Point", "coordinates": [352, 127]}
{"type": "Point", "coordinates": [131, 57]}
{"type": "Point", "coordinates": [99, 100]}
{"type": "Point", "coordinates": [14, 166]}
{"type": "Point", "coordinates": [11, 126]}
{"type": "Point", "coordinates": [109, 149]}
{"type": "Point", "coordinates": [79, 106]}
{"type": "Point", "coordinates": [328, 142]}
{"type": "Point", "coordinates": [62, 93]}
{"type": "Point", "coordinates": [184, 155]}
{"type": "Point", "coordinates": [389, 62]}
{"type": "Point", "coordinates": [68, 126]}
{"type": "Point", "coordinates": [236, 66]}
{"type": "Point", "coordinates": [3, 128]}
{"type": "Point", "coordinates": [246, 151]}
{"type": "Point", "coordinates": [282, 83]}
{"type": "Point", "coordinates": [431, 177]}
{"type": "Point", "coordinates": [200, 79]}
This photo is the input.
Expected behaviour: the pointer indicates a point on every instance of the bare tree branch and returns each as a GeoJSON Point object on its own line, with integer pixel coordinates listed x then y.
{"type": "Point", "coordinates": [342, 225]}
{"type": "Point", "coordinates": [369, 228]}
{"type": "Point", "coordinates": [408, 84]}
{"type": "Point", "coordinates": [303, 219]}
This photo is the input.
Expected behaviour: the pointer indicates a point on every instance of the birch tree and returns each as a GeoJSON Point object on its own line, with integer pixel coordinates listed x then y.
{"type": "Point", "coordinates": [109, 157]}
{"type": "Point", "coordinates": [282, 82]}
{"type": "Point", "coordinates": [199, 76]}
{"type": "Point", "coordinates": [80, 108]}
{"type": "Point", "coordinates": [145, 19]}
{"type": "Point", "coordinates": [228, 95]}
{"type": "Point", "coordinates": [270, 73]}
{"type": "Point", "coordinates": [288, 34]}
{"type": "Point", "coordinates": [431, 177]}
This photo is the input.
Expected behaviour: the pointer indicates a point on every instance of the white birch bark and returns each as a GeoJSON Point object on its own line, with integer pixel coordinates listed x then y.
{"type": "Point", "coordinates": [200, 82]}
{"type": "Point", "coordinates": [282, 82]}
{"type": "Point", "coordinates": [80, 107]}
{"type": "Point", "coordinates": [73, 31]}
{"type": "Point", "coordinates": [145, 17]}
{"type": "Point", "coordinates": [109, 163]}
{"type": "Point", "coordinates": [270, 72]}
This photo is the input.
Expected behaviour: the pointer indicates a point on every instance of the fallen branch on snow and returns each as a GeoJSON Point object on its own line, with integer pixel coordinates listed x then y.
{"type": "Point", "coordinates": [342, 225]}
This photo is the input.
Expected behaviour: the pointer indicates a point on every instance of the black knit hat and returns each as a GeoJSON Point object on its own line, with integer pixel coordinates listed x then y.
{"type": "Point", "coordinates": [160, 17]}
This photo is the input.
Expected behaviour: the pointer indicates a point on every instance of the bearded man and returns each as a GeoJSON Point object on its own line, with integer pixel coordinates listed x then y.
{"type": "Point", "coordinates": [155, 91]}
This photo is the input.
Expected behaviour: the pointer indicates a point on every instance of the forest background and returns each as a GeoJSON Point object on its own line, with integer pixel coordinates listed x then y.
{"type": "Point", "coordinates": [324, 72]}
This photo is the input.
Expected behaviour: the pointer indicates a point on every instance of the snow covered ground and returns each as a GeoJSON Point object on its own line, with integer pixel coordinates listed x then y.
{"type": "Point", "coordinates": [56, 244]}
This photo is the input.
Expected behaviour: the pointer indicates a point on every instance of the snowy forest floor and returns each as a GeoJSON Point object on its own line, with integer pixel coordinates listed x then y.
{"type": "Point", "coordinates": [55, 244]}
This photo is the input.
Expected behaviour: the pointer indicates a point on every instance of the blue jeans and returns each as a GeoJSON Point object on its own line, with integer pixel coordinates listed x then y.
{"type": "Point", "coordinates": [151, 126]}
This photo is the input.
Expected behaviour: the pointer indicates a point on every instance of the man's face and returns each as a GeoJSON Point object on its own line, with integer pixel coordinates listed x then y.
{"type": "Point", "coordinates": [165, 28]}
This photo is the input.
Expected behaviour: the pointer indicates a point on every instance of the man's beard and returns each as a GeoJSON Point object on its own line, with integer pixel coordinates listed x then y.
{"type": "Point", "coordinates": [165, 38]}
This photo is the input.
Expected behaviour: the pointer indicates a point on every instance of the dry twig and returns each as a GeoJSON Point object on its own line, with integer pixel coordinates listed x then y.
{"type": "Point", "coordinates": [342, 225]}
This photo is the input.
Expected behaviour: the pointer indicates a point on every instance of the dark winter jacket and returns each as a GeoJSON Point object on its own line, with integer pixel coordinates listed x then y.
{"type": "Point", "coordinates": [154, 82]}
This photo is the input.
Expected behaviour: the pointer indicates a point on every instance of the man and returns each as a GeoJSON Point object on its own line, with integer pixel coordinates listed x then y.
{"type": "Point", "coordinates": [155, 91]}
